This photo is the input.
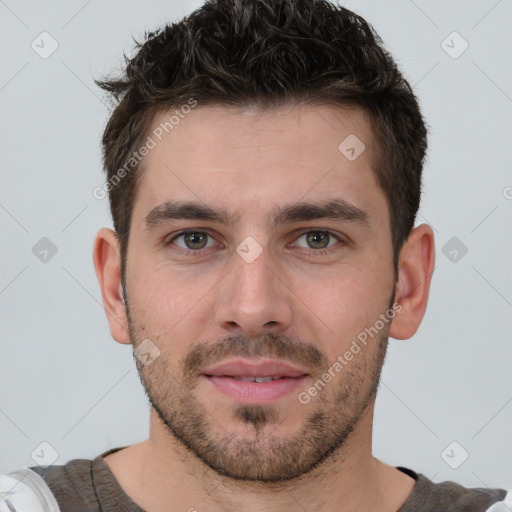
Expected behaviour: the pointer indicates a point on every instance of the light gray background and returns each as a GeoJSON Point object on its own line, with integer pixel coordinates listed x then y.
{"type": "Point", "coordinates": [64, 381]}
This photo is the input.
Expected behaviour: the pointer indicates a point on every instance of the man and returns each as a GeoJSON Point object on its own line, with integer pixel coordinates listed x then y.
{"type": "Point", "coordinates": [264, 173]}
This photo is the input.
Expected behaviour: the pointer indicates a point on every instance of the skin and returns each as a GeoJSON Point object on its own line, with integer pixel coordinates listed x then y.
{"type": "Point", "coordinates": [290, 296]}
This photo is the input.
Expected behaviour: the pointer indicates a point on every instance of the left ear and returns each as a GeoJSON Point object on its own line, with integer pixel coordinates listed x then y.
{"type": "Point", "coordinates": [415, 268]}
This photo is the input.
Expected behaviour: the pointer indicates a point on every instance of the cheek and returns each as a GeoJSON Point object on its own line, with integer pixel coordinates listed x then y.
{"type": "Point", "coordinates": [151, 297]}
{"type": "Point", "coordinates": [342, 310]}
{"type": "Point", "coordinates": [164, 299]}
{"type": "Point", "coordinates": [346, 301]}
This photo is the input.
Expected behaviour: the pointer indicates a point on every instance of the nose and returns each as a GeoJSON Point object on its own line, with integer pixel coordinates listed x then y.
{"type": "Point", "coordinates": [253, 299]}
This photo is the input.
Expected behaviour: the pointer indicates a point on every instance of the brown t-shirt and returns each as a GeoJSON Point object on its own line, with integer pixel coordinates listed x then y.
{"type": "Point", "coordinates": [89, 486]}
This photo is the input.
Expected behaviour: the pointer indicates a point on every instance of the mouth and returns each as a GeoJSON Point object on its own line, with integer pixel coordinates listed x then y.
{"type": "Point", "coordinates": [252, 379]}
{"type": "Point", "coordinates": [255, 382]}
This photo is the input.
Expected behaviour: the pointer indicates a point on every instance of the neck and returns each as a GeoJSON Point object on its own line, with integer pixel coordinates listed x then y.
{"type": "Point", "coordinates": [164, 472]}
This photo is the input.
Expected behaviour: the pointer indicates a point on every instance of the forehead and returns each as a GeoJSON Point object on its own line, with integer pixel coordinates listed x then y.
{"type": "Point", "coordinates": [243, 160]}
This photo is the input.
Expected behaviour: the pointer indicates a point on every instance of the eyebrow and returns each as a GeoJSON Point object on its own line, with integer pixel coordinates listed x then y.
{"type": "Point", "coordinates": [336, 209]}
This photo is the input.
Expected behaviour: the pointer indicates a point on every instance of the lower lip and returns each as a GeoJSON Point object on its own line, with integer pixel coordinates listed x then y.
{"type": "Point", "coordinates": [256, 392]}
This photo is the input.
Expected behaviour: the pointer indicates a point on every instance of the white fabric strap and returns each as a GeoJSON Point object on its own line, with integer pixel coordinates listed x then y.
{"type": "Point", "coordinates": [26, 491]}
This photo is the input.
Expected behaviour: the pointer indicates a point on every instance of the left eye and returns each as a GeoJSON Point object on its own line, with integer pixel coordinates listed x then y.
{"type": "Point", "coordinates": [318, 239]}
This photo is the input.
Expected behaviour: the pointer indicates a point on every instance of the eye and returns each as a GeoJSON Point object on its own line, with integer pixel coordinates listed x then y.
{"type": "Point", "coordinates": [192, 240]}
{"type": "Point", "coordinates": [318, 239]}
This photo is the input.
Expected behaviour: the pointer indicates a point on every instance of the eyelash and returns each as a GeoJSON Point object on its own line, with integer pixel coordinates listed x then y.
{"type": "Point", "coordinates": [198, 252]}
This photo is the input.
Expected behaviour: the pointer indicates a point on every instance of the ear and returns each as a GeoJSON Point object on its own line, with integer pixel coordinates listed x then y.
{"type": "Point", "coordinates": [108, 270]}
{"type": "Point", "coordinates": [415, 268]}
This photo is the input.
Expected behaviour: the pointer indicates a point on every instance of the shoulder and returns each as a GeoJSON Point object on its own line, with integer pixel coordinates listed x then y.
{"type": "Point", "coordinates": [454, 497]}
{"type": "Point", "coordinates": [469, 499]}
{"type": "Point", "coordinates": [69, 479]}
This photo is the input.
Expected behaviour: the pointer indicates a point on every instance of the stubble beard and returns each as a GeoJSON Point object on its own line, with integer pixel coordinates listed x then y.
{"type": "Point", "coordinates": [256, 452]}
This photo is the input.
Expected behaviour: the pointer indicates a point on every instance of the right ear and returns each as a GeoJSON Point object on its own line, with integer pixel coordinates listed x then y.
{"type": "Point", "coordinates": [107, 263]}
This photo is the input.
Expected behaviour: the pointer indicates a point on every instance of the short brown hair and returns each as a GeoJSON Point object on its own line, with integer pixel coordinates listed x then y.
{"type": "Point", "coordinates": [265, 53]}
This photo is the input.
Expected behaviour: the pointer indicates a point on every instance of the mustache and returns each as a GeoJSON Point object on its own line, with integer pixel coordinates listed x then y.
{"type": "Point", "coordinates": [269, 345]}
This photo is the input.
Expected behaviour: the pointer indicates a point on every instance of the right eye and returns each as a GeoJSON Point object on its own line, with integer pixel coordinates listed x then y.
{"type": "Point", "coordinates": [190, 241]}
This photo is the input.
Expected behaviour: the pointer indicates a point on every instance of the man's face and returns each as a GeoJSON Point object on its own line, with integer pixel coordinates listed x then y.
{"type": "Point", "coordinates": [228, 300]}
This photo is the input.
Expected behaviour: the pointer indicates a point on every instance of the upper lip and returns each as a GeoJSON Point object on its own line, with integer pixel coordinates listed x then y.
{"type": "Point", "coordinates": [262, 368]}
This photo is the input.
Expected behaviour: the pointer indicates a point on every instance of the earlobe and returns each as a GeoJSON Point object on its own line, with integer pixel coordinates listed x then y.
{"type": "Point", "coordinates": [416, 265]}
{"type": "Point", "coordinates": [108, 270]}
